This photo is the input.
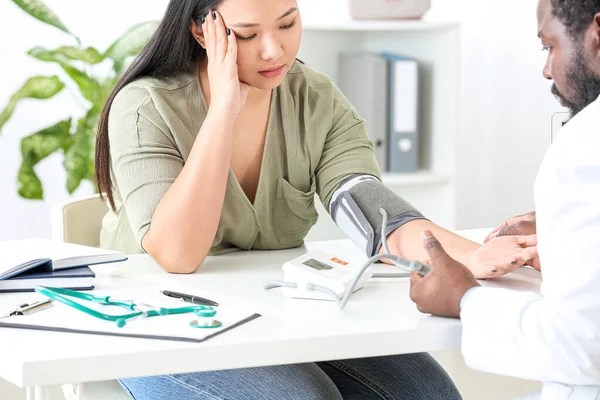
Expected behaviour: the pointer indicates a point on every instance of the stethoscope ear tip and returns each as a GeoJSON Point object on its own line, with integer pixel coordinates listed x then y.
{"type": "Point", "coordinates": [120, 322]}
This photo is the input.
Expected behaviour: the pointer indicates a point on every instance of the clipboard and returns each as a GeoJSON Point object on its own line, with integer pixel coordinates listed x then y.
{"type": "Point", "coordinates": [129, 335]}
{"type": "Point", "coordinates": [233, 313]}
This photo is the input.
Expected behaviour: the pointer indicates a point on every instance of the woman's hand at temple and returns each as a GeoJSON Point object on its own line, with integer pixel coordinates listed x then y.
{"type": "Point", "coordinates": [227, 94]}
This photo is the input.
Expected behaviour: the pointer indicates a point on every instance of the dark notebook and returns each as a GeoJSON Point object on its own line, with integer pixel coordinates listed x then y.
{"type": "Point", "coordinates": [80, 278]}
{"type": "Point", "coordinates": [19, 256]}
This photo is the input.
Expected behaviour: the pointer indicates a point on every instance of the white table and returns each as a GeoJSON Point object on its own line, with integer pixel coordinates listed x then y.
{"type": "Point", "coordinates": [378, 320]}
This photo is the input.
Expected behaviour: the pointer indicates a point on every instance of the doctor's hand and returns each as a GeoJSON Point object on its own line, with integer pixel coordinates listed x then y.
{"type": "Point", "coordinates": [440, 292]}
{"type": "Point", "coordinates": [503, 255]}
{"type": "Point", "coordinates": [520, 225]}
{"type": "Point", "coordinates": [227, 94]}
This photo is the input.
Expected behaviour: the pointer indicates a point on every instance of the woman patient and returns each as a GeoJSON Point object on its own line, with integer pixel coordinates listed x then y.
{"type": "Point", "coordinates": [216, 139]}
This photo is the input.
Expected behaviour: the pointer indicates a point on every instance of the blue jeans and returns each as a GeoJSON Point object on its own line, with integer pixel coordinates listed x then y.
{"type": "Point", "coordinates": [413, 376]}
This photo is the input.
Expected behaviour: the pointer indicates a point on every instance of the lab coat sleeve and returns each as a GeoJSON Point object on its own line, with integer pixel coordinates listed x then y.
{"type": "Point", "coordinates": [516, 334]}
{"type": "Point", "coordinates": [554, 337]}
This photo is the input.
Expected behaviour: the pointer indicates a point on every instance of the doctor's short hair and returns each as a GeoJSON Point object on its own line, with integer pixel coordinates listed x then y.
{"type": "Point", "coordinates": [575, 15]}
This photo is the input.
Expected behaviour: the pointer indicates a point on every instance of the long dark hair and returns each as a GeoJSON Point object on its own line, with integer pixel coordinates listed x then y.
{"type": "Point", "coordinates": [171, 50]}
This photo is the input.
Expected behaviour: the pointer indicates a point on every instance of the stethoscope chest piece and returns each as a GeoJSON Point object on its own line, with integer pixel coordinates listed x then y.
{"type": "Point", "coordinates": [206, 319]}
{"type": "Point", "coordinates": [205, 312]}
{"type": "Point", "coordinates": [206, 323]}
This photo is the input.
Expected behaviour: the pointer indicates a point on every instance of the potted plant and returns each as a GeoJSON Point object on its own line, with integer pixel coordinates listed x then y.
{"type": "Point", "coordinates": [74, 139]}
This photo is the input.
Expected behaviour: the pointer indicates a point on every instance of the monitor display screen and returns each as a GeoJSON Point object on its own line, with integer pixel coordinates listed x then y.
{"type": "Point", "coordinates": [316, 265]}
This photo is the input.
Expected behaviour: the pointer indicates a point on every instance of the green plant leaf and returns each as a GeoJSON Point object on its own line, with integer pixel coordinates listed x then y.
{"type": "Point", "coordinates": [35, 148]}
{"type": "Point", "coordinates": [37, 87]}
{"type": "Point", "coordinates": [90, 88]}
{"type": "Point", "coordinates": [79, 159]}
{"type": "Point", "coordinates": [46, 55]}
{"type": "Point", "coordinates": [38, 10]}
{"type": "Point", "coordinates": [130, 44]}
{"type": "Point", "coordinates": [66, 53]}
{"type": "Point", "coordinates": [89, 55]}
{"type": "Point", "coordinates": [30, 186]}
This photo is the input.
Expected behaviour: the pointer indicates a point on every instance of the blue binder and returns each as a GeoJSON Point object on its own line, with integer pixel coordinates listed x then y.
{"type": "Point", "coordinates": [403, 113]}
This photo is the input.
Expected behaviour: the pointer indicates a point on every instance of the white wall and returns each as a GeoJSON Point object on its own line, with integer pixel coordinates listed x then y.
{"type": "Point", "coordinates": [506, 108]}
{"type": "Point", "coordinates": [506, 105]}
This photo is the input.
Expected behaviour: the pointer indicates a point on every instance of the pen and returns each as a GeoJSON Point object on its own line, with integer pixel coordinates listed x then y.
{"type": "Point", "coordinates": [189, 298]}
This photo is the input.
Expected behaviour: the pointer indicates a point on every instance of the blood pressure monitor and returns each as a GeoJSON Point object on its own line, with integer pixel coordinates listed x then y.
{"type": "Point", "coordinates": [324, 276]}
{"type": "Point", "coordinates": [323, 269]}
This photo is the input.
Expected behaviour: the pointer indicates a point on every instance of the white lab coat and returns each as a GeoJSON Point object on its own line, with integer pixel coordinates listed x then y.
{"type": "Point", "coordinates": [554, 338]}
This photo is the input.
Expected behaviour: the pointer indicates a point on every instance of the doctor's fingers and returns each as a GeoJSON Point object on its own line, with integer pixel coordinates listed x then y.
{"type": "Point", "coordinates": [523, 224]}
{"type": "Point", "coordinates": [527, 241]}
{"type": "Point", "coordinates": [415, 279]}
{"type": "Point", "coordinates": [521, 228]}
{"type": "Point", "coordinates": [437, 254]}
{"type": "Point", "coordinates": [494, 233]}
{"type": "Point", "coordinates": [416, 289]}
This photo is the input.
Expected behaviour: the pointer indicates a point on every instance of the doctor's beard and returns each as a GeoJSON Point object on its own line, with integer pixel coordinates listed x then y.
{"type": "Point", "coordinates": [584, 84]}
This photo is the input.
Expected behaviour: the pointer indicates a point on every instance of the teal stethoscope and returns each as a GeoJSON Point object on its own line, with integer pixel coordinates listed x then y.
{"type": "Point", "coordinates": [140, 310]}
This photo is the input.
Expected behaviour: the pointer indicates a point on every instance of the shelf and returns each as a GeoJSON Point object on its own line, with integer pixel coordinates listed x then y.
{"type": "Point", "coordinates": [420, 178]}
{"type": "Point", "coordinates": [377, 25]}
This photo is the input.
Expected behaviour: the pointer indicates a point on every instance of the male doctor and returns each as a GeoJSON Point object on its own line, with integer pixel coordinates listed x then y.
{"type": "Point", "coordinates": [553, 338]}
{"type": "Point", "coordinates": [585, 90]}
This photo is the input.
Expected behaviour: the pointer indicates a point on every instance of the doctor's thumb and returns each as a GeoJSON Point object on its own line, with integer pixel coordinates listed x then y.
{"type": "Point", "coordinates": [433, 246]}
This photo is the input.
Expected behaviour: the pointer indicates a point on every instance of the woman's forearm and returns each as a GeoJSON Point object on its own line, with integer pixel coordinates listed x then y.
{"type": "Point", "coordinates": [185, 222]}
{"type": "Point", "coordinates": [406, 241]}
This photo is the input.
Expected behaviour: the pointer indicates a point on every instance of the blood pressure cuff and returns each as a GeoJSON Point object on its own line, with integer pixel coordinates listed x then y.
{"type": "Point", "coordinates": [355, 209]}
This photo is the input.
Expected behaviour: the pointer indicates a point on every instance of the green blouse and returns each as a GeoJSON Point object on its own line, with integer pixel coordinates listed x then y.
{"type": "Point", "coordinates": [315, 140]}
